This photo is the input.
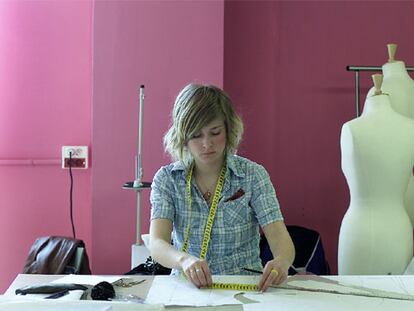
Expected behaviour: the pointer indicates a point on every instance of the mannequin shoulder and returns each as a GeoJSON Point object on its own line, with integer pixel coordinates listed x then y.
{"type": "Point", "coordinates": [371, 92]}
{"type": "Point", "coordinates": [349, 127]}
{"type": "Point", "coordinates": [404, 121]}
{"type": "Point", "coordinates": [346, 131]}
{"type": "Point", "coordinates": [355, 130]}
{"type": "Point", "coordinates": [405, 125]}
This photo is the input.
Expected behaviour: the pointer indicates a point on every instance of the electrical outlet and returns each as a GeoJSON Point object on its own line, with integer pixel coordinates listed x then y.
{"type": "Point", "coordinates": [78, 158]}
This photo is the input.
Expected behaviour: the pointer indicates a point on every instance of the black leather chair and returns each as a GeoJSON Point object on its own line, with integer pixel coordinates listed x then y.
{"type": "Point", "coordinates": [57, 255]}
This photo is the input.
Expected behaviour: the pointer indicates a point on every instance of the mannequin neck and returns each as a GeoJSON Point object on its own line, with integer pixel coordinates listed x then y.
{"type": "Point", "coordinates": [395, 68]}
{"type": "Point", "coordinates": [377, 103]}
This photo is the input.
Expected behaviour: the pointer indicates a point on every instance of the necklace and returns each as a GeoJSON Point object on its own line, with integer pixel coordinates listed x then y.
{"type": "Point", "coordinates": [207, 196]}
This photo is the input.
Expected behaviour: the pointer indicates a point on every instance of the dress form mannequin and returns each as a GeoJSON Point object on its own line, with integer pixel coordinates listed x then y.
{"type": "Point", "coordinates": [399, 85]}
{"type": "Point", "coordinates": [377, 156]}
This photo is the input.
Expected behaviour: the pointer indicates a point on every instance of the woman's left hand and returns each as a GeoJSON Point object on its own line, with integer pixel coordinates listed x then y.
{"type": "Point", "coordinates": [275, 272]}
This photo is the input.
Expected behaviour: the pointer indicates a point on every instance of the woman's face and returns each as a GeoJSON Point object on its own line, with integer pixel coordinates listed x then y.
{"type": "Point", "coordinates": [207, 146]}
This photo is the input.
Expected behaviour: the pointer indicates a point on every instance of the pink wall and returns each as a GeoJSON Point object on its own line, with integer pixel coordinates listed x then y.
{"type": "Point", "coordinates": [164, 45]}
{"type": "Point", "coordinates": [284, 65]}
{"type": "Point", "coordinates": [45, 102]}
{"type": "Point", "coordinates": [282, 62]}
{"type": "Point", "coordinates": [46, 49]}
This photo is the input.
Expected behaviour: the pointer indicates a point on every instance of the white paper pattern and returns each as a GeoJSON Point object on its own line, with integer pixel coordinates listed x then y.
{"type": "Point", "coordinates": [169, 291]}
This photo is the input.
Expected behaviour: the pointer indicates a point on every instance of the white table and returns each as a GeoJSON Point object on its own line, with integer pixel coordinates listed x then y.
{"type": "Point", "coordinates": [140, 290]}
{"type": "Point", "coordinates": [279, 299]}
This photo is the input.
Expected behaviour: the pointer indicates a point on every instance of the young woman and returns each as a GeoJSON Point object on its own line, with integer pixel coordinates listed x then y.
{"type": "Point", "coordinates": [213, 201]}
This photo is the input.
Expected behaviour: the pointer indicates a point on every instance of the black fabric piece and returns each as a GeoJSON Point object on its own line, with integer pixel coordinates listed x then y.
{"type": "Point", "coordinates": [48, 288]}
{"type": "Point", "coordinates": [308, 246]}
{"type": "Point", "coordinates": [150, 267]}
{"type": "Point", "coordinates": [103, 291]}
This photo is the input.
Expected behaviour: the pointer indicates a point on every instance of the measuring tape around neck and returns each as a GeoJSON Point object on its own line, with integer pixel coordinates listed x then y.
{"type": "Point", "coordinates": [209, 227]}
{"type": "Point", "coordinates": [211, 215]}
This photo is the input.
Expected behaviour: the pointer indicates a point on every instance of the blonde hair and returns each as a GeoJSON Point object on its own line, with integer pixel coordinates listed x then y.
{"type": "Point", "coordinates": [195, 107]}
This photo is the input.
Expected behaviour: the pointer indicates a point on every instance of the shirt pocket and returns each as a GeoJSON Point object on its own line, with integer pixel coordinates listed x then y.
{"type": "Point", "coordinates": [237, 212]}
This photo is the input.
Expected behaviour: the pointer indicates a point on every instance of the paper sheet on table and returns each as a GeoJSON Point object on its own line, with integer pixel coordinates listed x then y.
{"type": "Point", "coordinates": [170, 291]}
{"type": "Point", "coordinates": [86, 279]}
{"type": "Point", "coordinates": [392, 283]}
{"type": "Point", "coordinates": [326, 302]}
{"type": "Point", "coordinates": [7, 304]}
{"type": "Point", "coordinates": [37, 305]}
{"type": "Point", "coordinates": [321, 304]}
{"type": "Point", "coordinates": [391, 286]}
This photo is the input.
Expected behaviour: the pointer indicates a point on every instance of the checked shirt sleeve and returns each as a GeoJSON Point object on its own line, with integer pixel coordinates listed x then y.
{"type": "Point", "coordinates": [264, 200]}
{"type": "Point", "coordinates": [162, 205]}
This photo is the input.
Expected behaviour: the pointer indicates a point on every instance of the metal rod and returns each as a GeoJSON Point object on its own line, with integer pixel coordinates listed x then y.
{"type": "Point", "coordinates": [138, 239]}
{"type": "Point", "coordinates": [138, 175]}
{"type": "Point", "coordinates": [370, 68]}
{"type": "Point", "coordinates": [137, 182]}
{"type": "Point", "coordinates": [141, 122]}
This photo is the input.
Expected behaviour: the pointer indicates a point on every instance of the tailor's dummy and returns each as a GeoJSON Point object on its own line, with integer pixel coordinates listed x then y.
{"type": "Point", "coordinates": [377, 157]}
{"type": "Point", "coordinates": [399, 85]}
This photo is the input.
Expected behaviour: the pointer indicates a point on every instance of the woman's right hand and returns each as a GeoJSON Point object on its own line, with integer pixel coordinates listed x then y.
{"type": "Point", "coordinates": [197, 271]}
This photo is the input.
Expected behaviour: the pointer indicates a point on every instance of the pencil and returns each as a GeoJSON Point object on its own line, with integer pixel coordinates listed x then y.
{"type": "Point", "coordinates": [261, 272]}
{"type": "Point", "coordinates": [253, 270]}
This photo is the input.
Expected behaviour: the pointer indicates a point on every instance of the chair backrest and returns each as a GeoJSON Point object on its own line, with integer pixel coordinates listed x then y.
{"type": "Point", "coordinates": [310, 256]}
{"type": "Point", "coordinates": [75, 265]}
{"type": "Point", "coordinates": [57, 255]}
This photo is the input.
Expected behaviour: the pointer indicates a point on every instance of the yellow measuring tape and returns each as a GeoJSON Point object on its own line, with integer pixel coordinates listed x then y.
{"type": "Point", "coordinates": [234, 286]}
{"type": "Point", "coordinates": [211, 215]}
{"type": "Point", "coordinates": [209, 227]}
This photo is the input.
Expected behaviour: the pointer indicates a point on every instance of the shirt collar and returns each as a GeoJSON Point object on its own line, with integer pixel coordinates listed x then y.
{"type": "Point", "coordinates": [234, 166]}
{"type": "Point", "coordinates": [178, 166]}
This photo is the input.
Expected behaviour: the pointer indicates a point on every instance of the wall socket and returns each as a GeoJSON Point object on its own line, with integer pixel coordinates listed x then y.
{"type": "Point", "coordinates": [78, 159]}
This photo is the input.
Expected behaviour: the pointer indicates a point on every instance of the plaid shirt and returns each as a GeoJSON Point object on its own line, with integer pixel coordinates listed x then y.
{"type": "Point", "coordinates": [248, 200]}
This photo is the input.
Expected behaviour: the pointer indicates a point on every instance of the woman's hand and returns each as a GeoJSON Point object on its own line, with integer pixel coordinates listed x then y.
{"type": "Point", "coordinates": [197, 271]}
{"type": "Point", "coordinates": [275, 272]}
